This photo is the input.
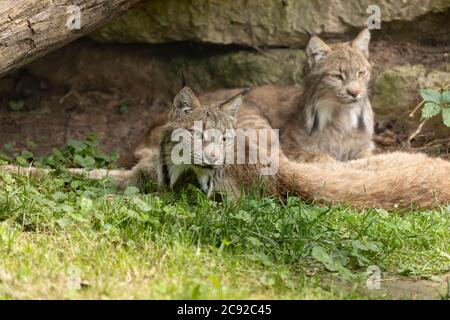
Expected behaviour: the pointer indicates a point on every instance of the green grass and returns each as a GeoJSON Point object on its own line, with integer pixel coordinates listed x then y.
{"type": "Point", "coordinates": [65, 236]}
{"type": "Point", "coordinates": [183, 245]}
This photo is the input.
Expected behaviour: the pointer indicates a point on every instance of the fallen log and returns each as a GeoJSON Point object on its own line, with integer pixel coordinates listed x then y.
{"type": "Point", "coordinates": [96, 174]}
{"type": "Point", "coordinates": [30, 29]}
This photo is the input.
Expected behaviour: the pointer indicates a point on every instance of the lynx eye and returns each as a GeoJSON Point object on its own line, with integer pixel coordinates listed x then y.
{"type": "Point", "coordinates": [337, 76]}
{"type": "Point", "coordinates": [362, 73]}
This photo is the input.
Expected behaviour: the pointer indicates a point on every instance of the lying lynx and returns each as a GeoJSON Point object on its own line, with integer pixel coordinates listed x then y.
{"type": "Point", "coordinates": [208, 126]}
{"type": "Point", "coordinates": [391, 181]}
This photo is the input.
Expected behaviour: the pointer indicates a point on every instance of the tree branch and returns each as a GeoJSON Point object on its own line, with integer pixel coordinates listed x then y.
{"type": "Point", "coordinates": [30, 29]}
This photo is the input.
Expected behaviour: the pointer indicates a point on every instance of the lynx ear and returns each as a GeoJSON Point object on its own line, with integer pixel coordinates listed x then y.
{"type": "Point", "coordinates": [185, 100]}
{"type": "Point", "coordinates": [316, 50]}
{"type": "Point", "coordinates": [361, 42]}
{"type": "Point", "coordinates": [231, 106]}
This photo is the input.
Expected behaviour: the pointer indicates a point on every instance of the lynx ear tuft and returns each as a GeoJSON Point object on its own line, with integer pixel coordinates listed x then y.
{"type": "Point", "coordinates": [232, 105]}
{"type": "Point", "coordinates": [316, 50]}
{"type": "Point", "coordinates": [361, 42]}
{"type": "Point", "coordinates": [186, 100]}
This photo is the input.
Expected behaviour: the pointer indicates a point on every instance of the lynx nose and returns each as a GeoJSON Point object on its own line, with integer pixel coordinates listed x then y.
{"type": "Point", "coordinates": [354, 91]}
{"type": "Point", "coordinates": [213, 155]}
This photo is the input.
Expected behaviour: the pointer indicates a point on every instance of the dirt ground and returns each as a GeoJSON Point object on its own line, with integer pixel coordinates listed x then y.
{"type": "Point", "coordinates": [49, 115]}
{"type": "Point", "coordinates": [400, 287]}
{"type": "Point", "coordinates": [387, 53]}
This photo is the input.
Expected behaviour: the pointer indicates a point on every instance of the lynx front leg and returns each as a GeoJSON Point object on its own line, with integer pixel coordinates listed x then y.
{"type": "Point", "coordinates": [206, 184]}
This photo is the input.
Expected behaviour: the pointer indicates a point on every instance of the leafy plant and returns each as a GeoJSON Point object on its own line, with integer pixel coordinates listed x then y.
{"type": "Point", "coordinates": [123, 108]}
{"type": "Point", "coordinates": [76, 154]}
{"type": "Point", "coordinates": [433, 102]}
{"type": "Point", "coordinates": [16, 105]}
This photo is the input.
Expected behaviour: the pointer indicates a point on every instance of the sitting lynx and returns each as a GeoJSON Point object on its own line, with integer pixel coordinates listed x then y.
{"type": "Point", "coordinates": [333, 116]}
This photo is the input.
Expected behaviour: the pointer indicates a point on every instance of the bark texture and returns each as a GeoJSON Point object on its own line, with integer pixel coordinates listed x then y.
{"type": "Point", "coordinates": [30, 29]}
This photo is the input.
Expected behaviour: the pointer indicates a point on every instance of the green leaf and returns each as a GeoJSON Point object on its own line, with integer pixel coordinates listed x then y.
{"type": "Point", "coordinates": [142, 205]}
{"type": "Point", "coordinates": [59, 196]}
{"type": "Point", "coordinates": [75, 184]}
{"type": "Point", "coordinates": [372, 246]}
{"type": "Point", "coordinates": [5, 157]}
{"type": "Point", "coordinates": [131, 191]}
{"type": "Point", "coordinates": [123, 108]}
{"type": "Point", "coordinates": [430, 110]}
{"type": "Point", "coordinates": [89, 161]}
{"type": "Point", "coordinates": [17, 105]}
{"type": "Point", "coordinates": [62, 223]}
{"type": "Point", "coordinates": [8, 147]}
{"type": "Point", "coordinates": [446, 116]}
{"type": "Point", "coordinates": [320, 255]}
{"type": "Point", "coordinates": [77, 145]}
{"type": "Point", "coordinates": [226, 242]}
{"type": "Point", "coordinates": [79, 160]}
{"type": "Point", "coordinates": [244, 216]}
{"type": "Point", "coordinates": [27, 154]}
{"type": "Point", "coordinates": [195, 294]}
{"type": "Point", "coordinates": [344, 272]}
{"type": "Point", "coordinates": [446, 96]}
{"type": "Point", "coordinates": [365, 246]}
{"type": "Point", "coordinates": [215, 281]}
{"type": "Point", "coordinates": [86, 205]}
{"type": "Point", "coordinates": [22, 161]}
{"type": "Point", "coordinates": [362, 260]}
{"type": "Point", "coordinates": [431, 95]}
{"type": "Point", "coordinates": [267, 280]}
{"type": "Point", "coordinates": [31, 144]}
{"type": "Point", "coordinates": [254, 241]}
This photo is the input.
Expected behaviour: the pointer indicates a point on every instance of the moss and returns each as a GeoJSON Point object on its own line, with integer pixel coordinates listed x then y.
{"type": "Point", "coordinates": [438, 79]}
{"type": "Point", "coordinates": [243, 69]}
{"type": "Point", "coordinates": [396, 88]}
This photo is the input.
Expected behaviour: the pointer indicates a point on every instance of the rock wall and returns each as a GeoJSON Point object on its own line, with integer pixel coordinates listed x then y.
{"type": "Point", "coordinates": [275, 23]}
{"type": "Point", "coordinates": [157, 72]}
